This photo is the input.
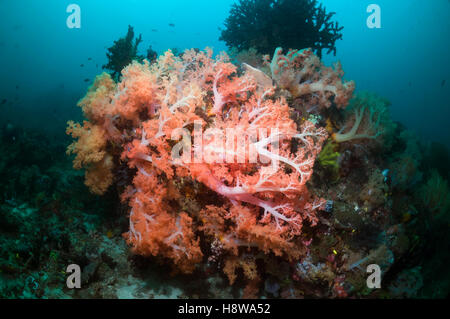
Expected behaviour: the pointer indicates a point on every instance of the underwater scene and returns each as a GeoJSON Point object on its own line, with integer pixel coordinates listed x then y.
{"type": "Point", "coordinates": [229, 149]}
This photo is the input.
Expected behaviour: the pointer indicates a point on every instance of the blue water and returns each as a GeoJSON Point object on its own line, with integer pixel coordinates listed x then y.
{"type": "Point", "coordinates": [407, 60]}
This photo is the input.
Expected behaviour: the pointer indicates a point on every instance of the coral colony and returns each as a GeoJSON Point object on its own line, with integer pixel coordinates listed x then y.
{"type": "Point", "coordinates": [192, 124]}
{"type": "Point", "coordinates": [266, 173]}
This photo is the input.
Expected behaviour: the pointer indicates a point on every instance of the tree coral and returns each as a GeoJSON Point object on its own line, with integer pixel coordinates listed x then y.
{"type": "Point", "coordinates": [267, 24]}
{"type": "Point", "coordinates": [123, 52]}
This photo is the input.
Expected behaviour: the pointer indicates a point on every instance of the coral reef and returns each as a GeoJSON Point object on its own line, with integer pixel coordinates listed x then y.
{"type": "Point", "coordinates": [266, 24]}
{"type": "Point", "coordinates": [216, 165]}
{"type": "Point", "coordinates": [230, 175]}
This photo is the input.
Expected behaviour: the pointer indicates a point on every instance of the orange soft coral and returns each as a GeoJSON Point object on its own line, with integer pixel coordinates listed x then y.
{"type": "Point", "coordinates": [90, 150]}
{"type": "Point", "coordinates": [247, 264]}
{"type": "Point", "coordinates": [90, 147]}
{"type": "Point", "coordinates": [99, 176]}
{"type": "Point", "coordinates": [96, 104]}
{"type": "Point", "coordinates": [93, 136]}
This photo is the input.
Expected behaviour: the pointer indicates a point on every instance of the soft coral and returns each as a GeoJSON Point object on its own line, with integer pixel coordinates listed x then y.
{"type": "Point", "coordinates": [261, 187]}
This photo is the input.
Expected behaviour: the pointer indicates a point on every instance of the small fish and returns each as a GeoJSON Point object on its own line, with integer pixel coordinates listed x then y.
{"type": "Point", "coordinates": [4, 101]}
{"type": "Point", "coordinates": [86, 80]}
{"type": "Point", "coordinates": [154, 30]}
{"type": "Point", "coordinates": [89, 59]}
{"type": "Point", "coordinates": [172, 25]}
{"type": "Point", "coordinates": [81, 65]}
{"type": "Point", "coordinates": [442, 83]}
{"type": "Point", "coordinates": [17, 87]}
{"type": "Point", "coordinates": [409, 84]}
